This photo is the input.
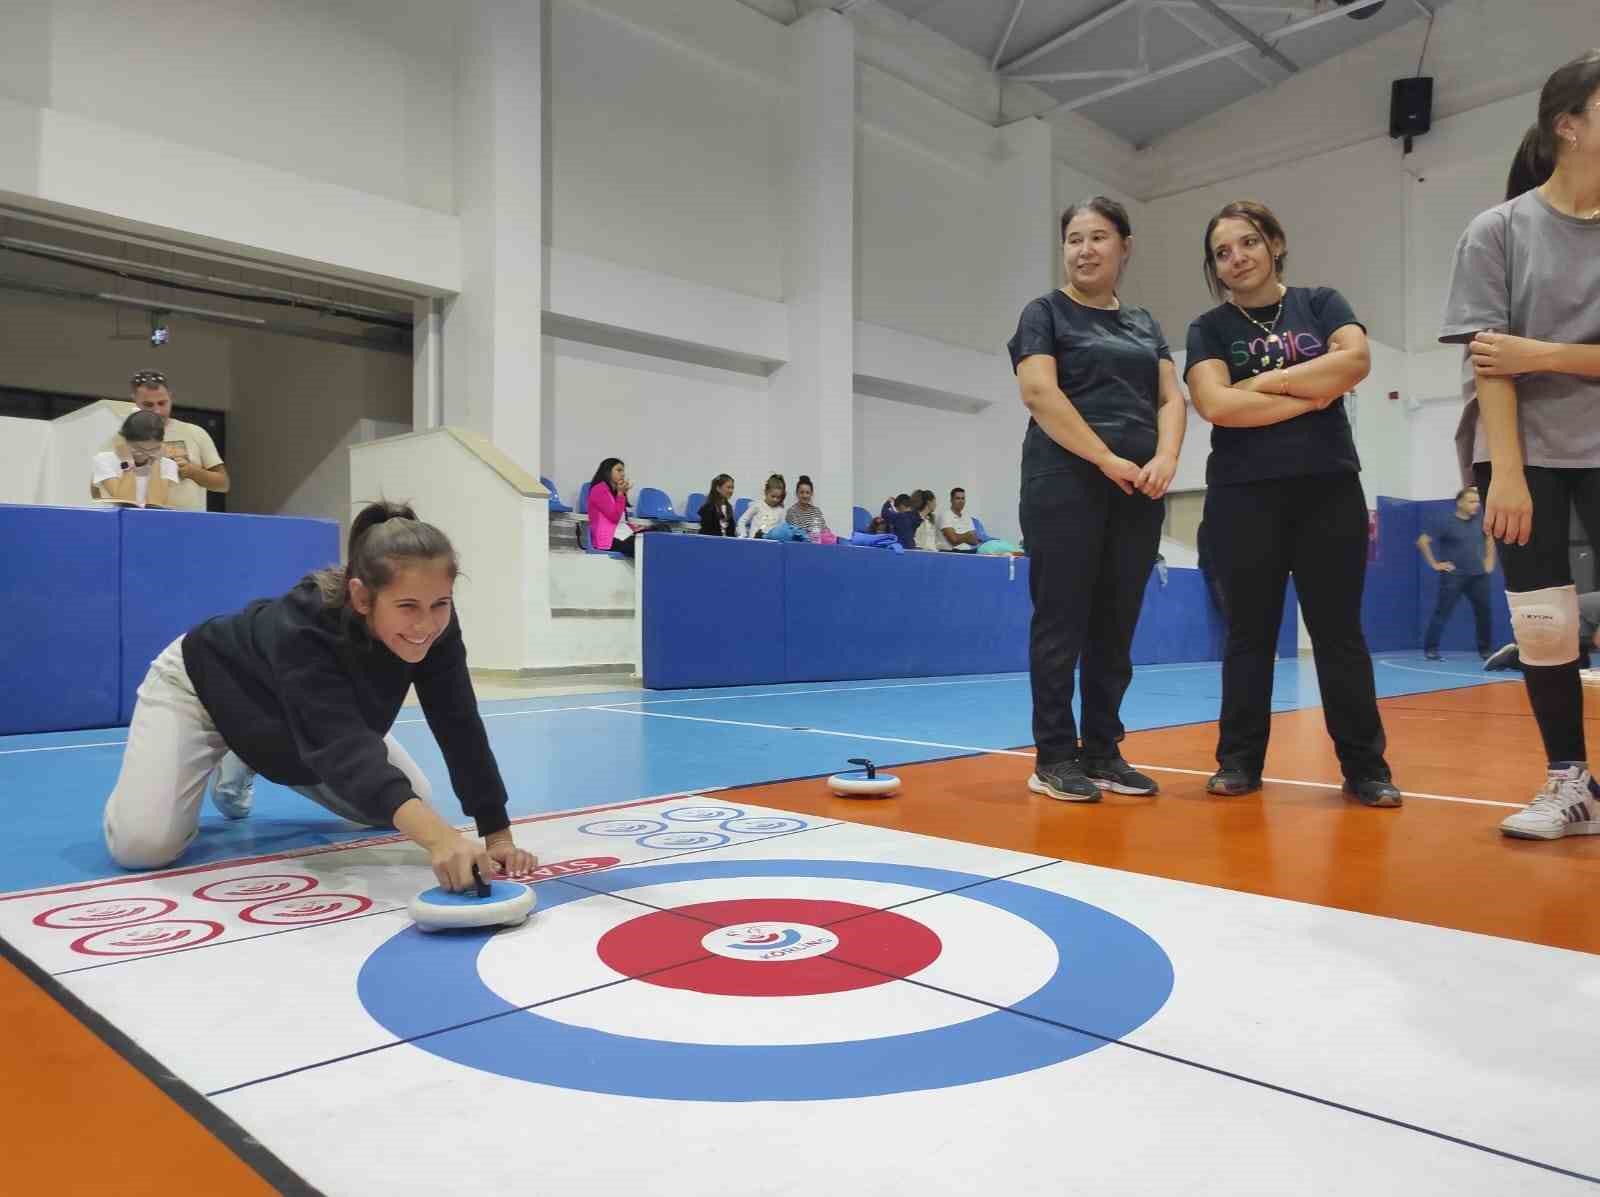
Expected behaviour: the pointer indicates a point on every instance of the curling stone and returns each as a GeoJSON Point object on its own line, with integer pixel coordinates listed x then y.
{"type": "Point", "coordinates": [865, 782]}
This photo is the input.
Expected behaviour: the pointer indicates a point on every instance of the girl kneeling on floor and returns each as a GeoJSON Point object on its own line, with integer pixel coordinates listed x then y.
{"type": "Point", "coordinates": [304, 689]}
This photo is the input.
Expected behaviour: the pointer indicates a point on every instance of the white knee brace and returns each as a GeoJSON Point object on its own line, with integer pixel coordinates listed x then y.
{"type": "Point", "coordinates": [1545, 624]}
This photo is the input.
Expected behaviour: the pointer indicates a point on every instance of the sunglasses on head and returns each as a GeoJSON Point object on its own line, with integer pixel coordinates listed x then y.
{"type": "Point", "coordinates": [149, 378]}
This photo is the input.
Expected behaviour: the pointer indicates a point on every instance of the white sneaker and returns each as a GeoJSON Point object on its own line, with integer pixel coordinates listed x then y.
{"type": "Point", "coordinates": [1569, 804]}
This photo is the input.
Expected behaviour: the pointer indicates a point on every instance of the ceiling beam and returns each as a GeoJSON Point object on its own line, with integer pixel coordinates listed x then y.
{"type": "Point", "coordinates": [1071, 34]}
{"type": "Point", "coordinates": [1238, 27]}
{"type": "Point", "coordinates": [1075, 76]}
{"type": "Point", "coordinates": [1005, 37]}
{"type": "Point", "coordinates": [1199, 60]}
{"type": "Point", "coordinates": [1177, 13]}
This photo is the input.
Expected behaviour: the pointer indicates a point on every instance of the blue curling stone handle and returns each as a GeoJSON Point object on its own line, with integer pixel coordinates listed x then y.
{"type": "Point", "coordinates": [499, 891]}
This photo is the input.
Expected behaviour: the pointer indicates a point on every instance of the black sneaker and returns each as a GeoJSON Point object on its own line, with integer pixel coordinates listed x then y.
{"type": "Point", "coordinates": [1504, 658]}
{"type": "Point", "coordinates": [1115, 774]}
{"type": "Point", "coordinates": [1065, 782]}
{"type": "Point", "coordinates": [1231, 783]}
{"type": "Point", "coordinates": [1373, 791]}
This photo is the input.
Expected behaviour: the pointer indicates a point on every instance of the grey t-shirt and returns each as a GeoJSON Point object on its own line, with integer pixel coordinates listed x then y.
{"type": "Point", "coordinates": [1526, 269]}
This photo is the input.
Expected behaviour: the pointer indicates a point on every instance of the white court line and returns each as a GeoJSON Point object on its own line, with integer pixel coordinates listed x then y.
{"type": "Point", "coordinates": [815, 731]}
{"type": "Point", "coordinates": [1328, 785]}
{"type": "Point", "coordinates": [1283, 781]}
{"type": "Point", "coordinates": [1477, 677]}
{"type": "Point", "coordinates": [63, 747]}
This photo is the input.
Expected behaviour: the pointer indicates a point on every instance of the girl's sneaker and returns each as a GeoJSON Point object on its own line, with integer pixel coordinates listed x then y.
{"type": "Point", "coordinates": [1569, 804]}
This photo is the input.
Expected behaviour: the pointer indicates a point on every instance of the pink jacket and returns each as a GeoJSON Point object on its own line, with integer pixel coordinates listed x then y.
{"type": "Point", "coordinates": [606, 511]}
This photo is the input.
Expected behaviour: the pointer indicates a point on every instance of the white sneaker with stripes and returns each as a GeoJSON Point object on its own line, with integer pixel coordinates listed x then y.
{"type": "Point", "coordinates": [1569, 804]}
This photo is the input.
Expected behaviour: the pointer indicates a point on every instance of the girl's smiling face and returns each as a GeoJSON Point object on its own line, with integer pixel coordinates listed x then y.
{"type": "Point", "coordinates": [411, 612]}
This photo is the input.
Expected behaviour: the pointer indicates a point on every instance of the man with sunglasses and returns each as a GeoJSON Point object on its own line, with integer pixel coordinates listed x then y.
{"type": "Point", "coordinates": [200, 467]}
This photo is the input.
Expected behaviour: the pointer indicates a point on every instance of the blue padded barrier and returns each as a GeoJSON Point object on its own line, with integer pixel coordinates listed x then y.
{"type": "Point", "coordinates": [856, 613]}
{"type": "Point", "coordinates": [179, 568]}
{"type": "Point", "coordinates": [1389, 600]}
{"type": "Point", "coordinates": [690, 586]}
{"type": "Point", "coordinates": [59, 645]}
{"type": "Point", "coordinates": [839, 612]}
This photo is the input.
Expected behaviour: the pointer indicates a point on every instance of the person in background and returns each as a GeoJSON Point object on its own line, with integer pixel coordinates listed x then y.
{"type": "Point", "coordinates": [1460, 552]}
{"type": "Point", "coordinates": [135, 471]}
{"type": "Point", "coordinates": [716, 513]}
{"type": "Point", "coordinates": [956, 530]}
{"type": "Point", "coordinates": [200, 467]}
{"type": "Point", "coordinates": [804, 514]}
{"type": "Point", "coordinates": [899, 517]}
{"type": "Point", "coordinates": [927, 537]}
{"type": "Point", "coordinates": [760, 518]}
{"type": "Point", "coordinates": [609, 528]}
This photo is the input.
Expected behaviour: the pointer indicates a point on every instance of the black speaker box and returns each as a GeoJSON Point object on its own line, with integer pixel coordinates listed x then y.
{"type": "Point", "coordinates": [1411, 106]}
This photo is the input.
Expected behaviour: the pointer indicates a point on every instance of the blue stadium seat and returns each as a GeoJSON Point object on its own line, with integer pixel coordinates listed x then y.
{"type": "Point", "coordinates": [692, 506]}
{"type": "Point", "coordinates": [739, 507]}
{"type": "Point", "coordinates": [977, 526]}
{"type": "Point", "coordinates": [556, 505]}
{"type": "Point", "coordinates": [862, 519]}
{"type": "Point", "coordinates": [656, 505]}
{"type": "Point", "coordinates": [585, 544]}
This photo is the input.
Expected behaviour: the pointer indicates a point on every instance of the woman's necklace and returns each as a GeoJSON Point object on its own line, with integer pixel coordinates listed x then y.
{"type": "Point", "coordinates": [1274, 343]}
{"type": "Point", "coordinates": [1076, 297]}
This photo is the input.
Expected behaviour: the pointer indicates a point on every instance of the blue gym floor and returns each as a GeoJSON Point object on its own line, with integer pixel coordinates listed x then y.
{"type": "Point", "coordinates": [566, 752]}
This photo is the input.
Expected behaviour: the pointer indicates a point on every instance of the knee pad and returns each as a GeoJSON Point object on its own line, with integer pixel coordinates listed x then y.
{"type": "Point", "coordinates": [1545, 624]}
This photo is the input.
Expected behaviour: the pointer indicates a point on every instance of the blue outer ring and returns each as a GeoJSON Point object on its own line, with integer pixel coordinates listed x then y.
{"type": "Point", "coordinates": [1110, 978]}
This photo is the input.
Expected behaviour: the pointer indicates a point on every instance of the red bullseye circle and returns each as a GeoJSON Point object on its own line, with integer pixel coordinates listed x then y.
{"type": "Point", "coordinates": [667, 948]}
{"type": "Point", "coordinates": [256, 888]}
{"type": "Point", "coordinates": [104, 912]}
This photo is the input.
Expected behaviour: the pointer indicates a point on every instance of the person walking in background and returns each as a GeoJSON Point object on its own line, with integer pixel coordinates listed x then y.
{"type": "Point", "coordinates": [1462, 554]}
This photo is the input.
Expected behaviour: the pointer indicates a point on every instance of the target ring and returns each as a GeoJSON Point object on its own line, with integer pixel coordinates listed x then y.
{"type": "Point", "coordinates": [1110, 978]}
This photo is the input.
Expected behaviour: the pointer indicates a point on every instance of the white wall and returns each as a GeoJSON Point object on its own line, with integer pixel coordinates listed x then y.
{"type": "Point", "coordinates": [276, 129]}
{"type": "Point", "coordinates": [675, 424]}
{"type": "Point", "coordinates": [663, 140]}
{"type": "Point", "coordinates": [24, 450]}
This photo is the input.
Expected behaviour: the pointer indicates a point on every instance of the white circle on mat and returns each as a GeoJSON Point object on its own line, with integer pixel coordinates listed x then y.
{"type": "Point", "coordinates": [986, 952]}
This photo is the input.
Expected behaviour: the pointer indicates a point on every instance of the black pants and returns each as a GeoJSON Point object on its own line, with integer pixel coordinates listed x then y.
{"type": "Point", "coordinates": [1090, 552]}
{"type": "Point", "coordinates": [1452, 588]}
{"type": "Point", "coordinates": [1556, 691]}
{"type": "Point", "coordinates": [1314, 528]}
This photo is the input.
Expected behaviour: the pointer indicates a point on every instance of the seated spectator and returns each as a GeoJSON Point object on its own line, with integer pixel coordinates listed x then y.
{"type": "Point", "coordinates": [136, 472]}
{"type": "Point", "coordinates": [760, 518]}
{"type": "Point", "coordinates": [898, 517]}
{"type": "Point", "coordinates": [200, 468]}
{"type": "Point", "coordinates": [716, 513]}
{"type": "Point", "coordinates": [927, 536]}
{"type": "Point", "coordinates": [804, 514]}
{"type": "Point", "coordinates": [956, 530]}
{"type": "Point", "coordinates": [608, 509]}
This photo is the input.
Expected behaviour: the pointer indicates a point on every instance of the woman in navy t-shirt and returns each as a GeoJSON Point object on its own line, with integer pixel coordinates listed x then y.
{"type": "Point", "coordinates": [1101, 448]}
{"type": "Point", "coordinates": [1270, 367]}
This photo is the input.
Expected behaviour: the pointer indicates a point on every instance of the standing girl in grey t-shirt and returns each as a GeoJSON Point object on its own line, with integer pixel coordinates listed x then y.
{"type": "Point", "coordinates": [1526, 295]}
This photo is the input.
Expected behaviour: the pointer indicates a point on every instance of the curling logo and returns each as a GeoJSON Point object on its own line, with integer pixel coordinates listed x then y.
{"type": "Point", "coordinates": [768, 943]}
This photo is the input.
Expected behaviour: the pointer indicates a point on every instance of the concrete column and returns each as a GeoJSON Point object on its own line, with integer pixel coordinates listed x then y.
{"type": "Point", "coordinates": [427, 365]}
{"type": "Point", "coordinates": [813, 395]}
{"type": "Point", "coordinates": [492, 377]}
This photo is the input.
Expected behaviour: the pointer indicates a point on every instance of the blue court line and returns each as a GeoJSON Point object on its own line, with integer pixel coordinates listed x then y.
{"type": "Point", "coordinates": [566, 752]}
